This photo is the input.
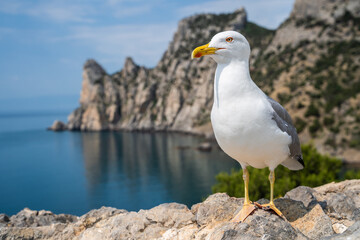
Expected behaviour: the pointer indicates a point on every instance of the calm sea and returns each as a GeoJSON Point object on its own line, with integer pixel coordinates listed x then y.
{"type": "Point", "coordinates": [74, 172]}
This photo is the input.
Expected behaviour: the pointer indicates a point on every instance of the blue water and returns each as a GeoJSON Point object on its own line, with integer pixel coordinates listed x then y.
{"type": "Point", "coordinates": [74, 172]}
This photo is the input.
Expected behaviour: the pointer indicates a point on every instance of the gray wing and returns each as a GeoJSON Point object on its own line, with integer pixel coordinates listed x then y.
{"type": "Point", "coordinates": [284, 122]}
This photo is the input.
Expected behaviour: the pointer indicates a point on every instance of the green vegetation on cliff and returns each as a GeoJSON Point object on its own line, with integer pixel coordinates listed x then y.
{"type": "Point", "coordinates": [319, 169]}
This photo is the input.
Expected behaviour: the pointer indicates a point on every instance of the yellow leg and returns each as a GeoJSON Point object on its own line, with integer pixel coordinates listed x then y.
{"type": "Point", "coordinates": [271, 205]}
{"type": "Point", "coordinates": [248, 207]}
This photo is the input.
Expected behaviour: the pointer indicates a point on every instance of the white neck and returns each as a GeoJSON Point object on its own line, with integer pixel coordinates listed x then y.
{"type": "Point", "coordinates": [232, 80]}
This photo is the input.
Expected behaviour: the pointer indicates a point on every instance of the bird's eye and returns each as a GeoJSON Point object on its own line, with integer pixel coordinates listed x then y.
{"type": "Point", "coordinates": [229, 39]}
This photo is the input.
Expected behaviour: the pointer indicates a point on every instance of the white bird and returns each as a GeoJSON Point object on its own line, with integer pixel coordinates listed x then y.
{"type": "Point", "coordinates": [249, 126]}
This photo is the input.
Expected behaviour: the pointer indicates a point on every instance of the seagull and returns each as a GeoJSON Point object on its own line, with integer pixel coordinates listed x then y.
{"type": "Point", "coordinates": [249, 126]}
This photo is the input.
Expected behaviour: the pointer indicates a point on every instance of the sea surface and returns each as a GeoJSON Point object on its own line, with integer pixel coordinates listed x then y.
{"type": "Point", "coordinates": [74, 172]}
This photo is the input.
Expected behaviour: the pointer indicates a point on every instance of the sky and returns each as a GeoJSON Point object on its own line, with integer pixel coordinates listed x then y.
{"type": "Point", "coordinates": [44, 43]}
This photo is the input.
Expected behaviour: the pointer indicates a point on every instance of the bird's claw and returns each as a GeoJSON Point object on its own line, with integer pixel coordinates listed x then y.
{"type": "Point", "coordinates": [271, 207]}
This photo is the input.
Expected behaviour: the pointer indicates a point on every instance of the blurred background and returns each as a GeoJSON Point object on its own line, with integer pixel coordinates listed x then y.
{"type": "Point", "coordinates": [133, 127]}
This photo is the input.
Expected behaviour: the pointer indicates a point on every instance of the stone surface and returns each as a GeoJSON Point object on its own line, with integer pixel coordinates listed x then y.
{"type": "Point", "coordinates": [4, 220]}
{"type": "Point", "coordinates": [308, 19]}
{"type": "Point", "coordinates": [206, 220]}
{"type": "Point", "coordinates": [302, 194]}
{"type": "Point", "coordinates": [352, 233]}
{"type": "Point", "coordinates": [58, 126]}
{"type": "Point", "coordinates": [30, 218]}
{"type": "Point", "coordinates": [315, 223]}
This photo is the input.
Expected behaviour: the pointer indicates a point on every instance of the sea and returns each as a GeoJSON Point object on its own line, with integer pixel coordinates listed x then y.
{"type": "Point", "coordinates": [74, 172]}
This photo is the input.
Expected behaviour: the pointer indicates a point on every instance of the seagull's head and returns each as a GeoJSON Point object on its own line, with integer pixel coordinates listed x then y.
{"type": "Point", "coordinates": [225, 47]}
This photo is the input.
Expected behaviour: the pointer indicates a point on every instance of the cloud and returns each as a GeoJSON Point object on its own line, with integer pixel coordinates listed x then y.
{"type": "Point", "coordinates": [143, 42]}
{"type": "Point", "coordinates": [127, 8]}
{"type": "Point", "coordinates": [101, 38]}
{"type": "Point", "coordinates": [264, 12]}
{"type": "Point", "coordinates": [268, 13]}
{"type": "Point", "coordinates": [11, 7]}
{"type": "Point", "coordinates": [121, 2]}
{"type": "Point", "coordinates": [62, 12]}
{"type": "Point", "coordinates": [220, 6]}
{"type": "Point", "coordinates": [131, 11]}
{"type": "Point", "coordinates": [77, 11]}
{"type": "Point", "coordinates": [55, 10]}
{"type": "Point", "coordinates": [6, 31]}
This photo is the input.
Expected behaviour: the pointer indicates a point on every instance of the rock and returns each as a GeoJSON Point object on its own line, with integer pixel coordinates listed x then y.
{"type": "Point", "coordinates": [311, 221]}
{"type": "Point", "coordinates": [93, 74]}
{"type": "Point", "coordinates": [292, 209]}
{"type": "Point", "coordinates": [343, 205]}
{"type": "Point", "coordinates": [216, 208]}
{"type": "Point", "coordinates": [99, 101]}
{"type": "Point", "coordinates": [302, 194]}
{"type": "Point", "coordinates": [206, 220]}
{"type": "Point", "coordinates": [58, 126]}
{"type": "Point", "coordinates": [340, 202]}
{"type": "Point", "coordinates": [205, 147]}
{"type": "Point", "coordinates": [308, 20]}
{"type": "Point", "coordinates": [146, 224]}
{"type": "Point", "coordinates": [324, 10]}
{"type": "Point", "coordinates": [4, 220]}
{"type": "Point", "coordinates": [260, 225]}
{"type": "Point", "coordinates": [352, 233]}
{"type": "Point", "coordinates": [315, 224]}
{"type": "Point", "coordinates": [339, 227]}
{"type": "Point", "coordinates": [75, 119]}
{"type": "Point", "coordinates": [30, 218]}
{"type": "Point", "coordinates": [343, 199]}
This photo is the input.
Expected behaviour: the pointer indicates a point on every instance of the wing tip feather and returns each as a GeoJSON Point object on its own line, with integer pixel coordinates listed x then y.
{"type": "Point", "coordinates": [300, 160]}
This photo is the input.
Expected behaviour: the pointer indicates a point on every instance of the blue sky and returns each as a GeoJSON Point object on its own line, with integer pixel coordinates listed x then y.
{"type": "Point", "coordinates": [44, 43]}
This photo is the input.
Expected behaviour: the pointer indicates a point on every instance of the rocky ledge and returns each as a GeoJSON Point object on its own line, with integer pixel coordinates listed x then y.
{"type": "Point", "coordinates": [331, 211]}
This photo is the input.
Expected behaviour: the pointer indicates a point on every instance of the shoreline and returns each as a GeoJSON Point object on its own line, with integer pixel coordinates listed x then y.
{"type": "Point", "coordinates": [206, 136]}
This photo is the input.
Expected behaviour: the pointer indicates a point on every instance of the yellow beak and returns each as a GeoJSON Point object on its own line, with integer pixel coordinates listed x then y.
{"type": "Point", "coordinates": [203, 50]}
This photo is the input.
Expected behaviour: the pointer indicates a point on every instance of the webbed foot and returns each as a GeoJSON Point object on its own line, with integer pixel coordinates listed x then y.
{"type": "Point", "coordinates": [246, 210]}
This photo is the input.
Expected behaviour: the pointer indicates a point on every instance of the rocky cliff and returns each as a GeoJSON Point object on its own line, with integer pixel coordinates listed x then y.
{"type": "Point", "coordinates": [310, 64]}
{"type": "Point", "coordinates": [331, 211]}
{"type": "Point", "coordinates": [175, 95]}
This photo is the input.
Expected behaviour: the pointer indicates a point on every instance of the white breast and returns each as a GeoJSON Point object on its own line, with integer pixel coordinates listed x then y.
{"type": "Point", "coordinates": [242, 121]}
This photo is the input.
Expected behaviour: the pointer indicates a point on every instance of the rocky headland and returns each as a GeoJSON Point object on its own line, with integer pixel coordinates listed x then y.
{"type": "Point", "coordinates": [331, 211]}
{"type": "Point", "coordinates": [310, 64]}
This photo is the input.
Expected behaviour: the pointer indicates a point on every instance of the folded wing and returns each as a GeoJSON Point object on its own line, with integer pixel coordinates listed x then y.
{"type": "Point", "coordinates": [284, 122]}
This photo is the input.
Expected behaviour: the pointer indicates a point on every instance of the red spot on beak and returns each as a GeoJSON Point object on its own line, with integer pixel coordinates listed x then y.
{"type": "Point", "coordinates": [198, 55]}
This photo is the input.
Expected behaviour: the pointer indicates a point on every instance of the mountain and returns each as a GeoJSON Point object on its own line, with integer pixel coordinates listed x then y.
{"type": "Point", "coordinates": [310, 64]}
